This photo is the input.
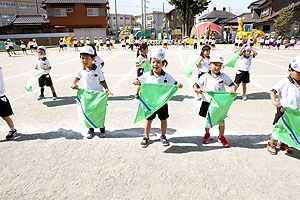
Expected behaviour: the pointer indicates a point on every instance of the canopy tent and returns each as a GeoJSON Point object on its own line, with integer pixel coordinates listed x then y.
{"type": "Point", "coordinates": [201, 28]}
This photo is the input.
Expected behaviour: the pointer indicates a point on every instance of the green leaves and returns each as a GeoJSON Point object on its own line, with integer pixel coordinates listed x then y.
{"type": "Point", "coordinates": [283, 21]}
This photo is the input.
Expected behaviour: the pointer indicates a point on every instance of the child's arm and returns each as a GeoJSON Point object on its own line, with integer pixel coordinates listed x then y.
{"type": "Point", "coordinates": [254, 52]}
{"type": "Point", "coordinates": [274, 100]}
{"type": "Point", "coordinates": [103, 83]}
{"type": "Point", "coordinates": [242, 49]}
{"type": "Point", "coordinates": [179, 85]}
{"type": "Point", "coordinates": [139, 64]}
{"type": "Point", "coordinates": [36, 67]}
{"type": "Point", "coordinates": [232, 89]}
{"type": "Point", "coordinates": [74, 84]}
{"type": "Point", "coordinates": [197, 89]}
{"type": "Point", "coordinates": [102, 65]}
{"type": "Point", "coordinates": [136, 82]}
{"type": "Point", "coordinates": [199, 63]}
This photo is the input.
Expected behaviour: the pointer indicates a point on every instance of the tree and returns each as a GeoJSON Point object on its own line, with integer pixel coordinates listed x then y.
{"type": "Point", "coordinates": [283, 21]}
{"type": "Point", "coordinates": [187, 10]}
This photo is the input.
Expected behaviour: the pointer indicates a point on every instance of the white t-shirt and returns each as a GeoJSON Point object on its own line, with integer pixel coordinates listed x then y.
{"type": "Point", "coordinates": [6, 46]}
{"type": "Point", "coordinates": [75, 42]}
{"type": "Point", "coordinates": [123, 43]}
{"type": "Point", "coordinates": [204, 65]}
{"type": "Point", "coordinates": [244, 64]}
{"type": "Point", "coordinates": [88, 42]}
{"type": "Point", "coordinates": [278, 41]}
{"type": "Point", "coordinates": [98, 61]}
{"type": "Point", "coordinates": [35, 44]}
{"type": "Point", "coordinates": [195, 41]}
{"type": "Point", "coordinates": [10, 44]}
{"type": "Point", "coordinates": [165, 41]}
{"type": "Point", "coordinates": [101, 41]}
{"type": "Point", "coordinates": [272, 40]}
{"type": "Point", "coordinates": [213, 41]}
{"type": "Point", "coordinates": [61, 43]}
{"type": "Point", "coordinates": [164, 78]}
{"type": "Point", "coordinates": [139, 59]}
{"type": "Point", "coordinates": [216, 84]}
{"type": "Point", "coordinates": [23, 46]}
{"type": "Point", "coordinates": [82, 41]}
{"type": "Point", "coordinates": [288, 93]}
{"type": "Point", "coordinates": [292, 41]}
{"type": "Point", "coordinates": [2, 86]}
{"type": "Point", "coordinates": [95, 41]}
{"type": "Point", "coordinates": [267, 42]}
{"type": "Point", "coordinates": [91, 79]}
{"type": "Point", "coordinates": [30, 43]}
{"type": "Point", "coordinates": [42, 64]}
{"type": "Point", "coordinates": [202, 41]}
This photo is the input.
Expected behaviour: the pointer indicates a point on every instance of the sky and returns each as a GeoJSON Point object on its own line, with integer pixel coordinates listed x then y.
{"type": "Point", "coordinates": [134, 6]}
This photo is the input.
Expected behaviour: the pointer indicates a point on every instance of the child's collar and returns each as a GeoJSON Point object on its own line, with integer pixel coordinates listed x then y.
{"type": "Point", "coordinates": [162, 72]}
{"type": "Point", "coordinates": [94, 67]}
{"type": "Point", "coordinates": [218, 74]}
{"type": "Point", "coordinates": [293, 81]}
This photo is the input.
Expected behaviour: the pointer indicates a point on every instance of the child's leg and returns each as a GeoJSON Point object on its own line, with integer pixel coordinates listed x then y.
{"type": "Point", "coordinates": [222, 128]}
{"type": "Point", "coordinates": [138, 90]}
{"type": "Point", "coordinates": [147, 128]}
{"type": "Point", "coordinates": [207, 130]}
{"type": "Point", "coordinates": [52, 89]}
{"type": "Point", "coordinates": [244, 88]}
{"type": "Point", "coordinates": [9, 122]}
{"type": "Point", "coordinates": [163, 125]}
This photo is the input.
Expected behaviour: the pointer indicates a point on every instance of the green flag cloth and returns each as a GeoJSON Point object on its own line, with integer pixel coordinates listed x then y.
{"type": "Point", "coordinates": [91, 107]}
{"type": "Point", "coordinates": [147, 67]}
{"type": "Point", "coordinates": [190, 63]}
{"type": "Point", "coordinates": [153, 97]}
{"type": "Point", "coordinates": [33, 79]}
{"type": "Point", "coordinates": [287, 129]}
{"type": "Point", "coordinates": [220, 103]}
{"type": "Point", "coordinates": [232, 60]}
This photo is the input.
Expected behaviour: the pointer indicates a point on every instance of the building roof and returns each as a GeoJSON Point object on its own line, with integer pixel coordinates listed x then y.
{"type": "Point", "coordinates": [248, 19]}
{"type": "Point", "coordinates": [217, 14]}
{"type": "Point", "coordinates": [255, 3]}
{"type": "Point", "coordinates": [74, 1]}
{"type": "Point", "coordinates": [30, 19]}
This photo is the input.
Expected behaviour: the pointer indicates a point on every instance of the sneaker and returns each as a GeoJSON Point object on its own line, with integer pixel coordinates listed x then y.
{"type": "Point", "coordinates": [284, 147]}
{"type": "Point", "coordinates": [137, 96]}
{"type": "Point", "coordinates": [102, 132]}
{"type": "Point", "coordinates": [11, 134]}
{"type": "Point", "coordinates": [164, 140]}
{"type": "Point", "coordinates": [40, 97]}
{"type": "Point", "coordinates": [90, 134]}
{"type": "Point", "coordinates": [206, 138]}
{"type": "Point", "coordinates": [223, 140]}
{"type": "Point", "coordinates": [54, 97]}
{"type": "Point", "coordinates": [145, 142]}
{"type": "Point", "coordinates": [244, 97]}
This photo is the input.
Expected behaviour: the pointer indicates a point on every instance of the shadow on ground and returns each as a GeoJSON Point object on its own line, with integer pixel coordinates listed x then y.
{"type": "Point", "coordinates": [60, 101]}
{"type": "Point", "coordinates": [61, 133]}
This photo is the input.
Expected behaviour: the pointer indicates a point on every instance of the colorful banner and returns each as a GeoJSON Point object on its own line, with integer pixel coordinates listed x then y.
{"type": "Point", "coordinates": [287, 129]}
{"type": "Point", "coordinates": [91, 107]}
{"type": "Point", "coordinates": [152, 98]}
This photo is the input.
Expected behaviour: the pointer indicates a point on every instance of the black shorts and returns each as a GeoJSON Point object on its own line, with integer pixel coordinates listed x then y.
{"type": "Point", "coordinates": [12, 48]}
{"type": "Point", "coordinates": [136, 45]}
{"type": "Point", "coordinates": [291, 45]}
{"type": "Point", "coordinates": [31, 47]}
{"type": "Point", "coordinates": [241, 44]}
{"type": "Point", "coordinates": [8, 50]}
{"type": "Point", "coordinates": [162, 113]}
{"type": "Point", "coordinates": [5, 108]}
{"type": "Point", "coordinates": [278, 45]}
{"type": "Point", "coordinates": [236, 44]}
{"type": "Point", "coordinates": [61, 46]}
{"type": "Point", "coordinates": [101, 44]}
{"type": "Point", "coordinates": [45, 79]}
{"type": "Point", "coordinates": [23, 49]}
{"type": "Point", "coordinates": [140, 72]}
{"type": "Point", "coordinates": [107, 45]}
{"type": "Point", "coordinates": [201, 43]}
{"type": "Point", "coordinates": [123, 45]}
{"type": "Point", "coordinates": [243, 76]}
{"type": "Point", "coordinates": [75, 45]}
{"type": "Point", "coordinates": [213, 45]}
{"type": "Point", "coordinates": [267, 44]}
{"type": "Point", "coordinates": [262, 44]}
{"type": "Point", "coordinates": [251, 44]}
{"type": "Point", "coordinates": [35, 48]}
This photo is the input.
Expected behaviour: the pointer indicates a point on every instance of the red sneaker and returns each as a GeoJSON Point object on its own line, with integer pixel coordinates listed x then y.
{"type": "Point", "coordinates": [206, 138]}
{"type": "Point", "coordinates": [223, 140]}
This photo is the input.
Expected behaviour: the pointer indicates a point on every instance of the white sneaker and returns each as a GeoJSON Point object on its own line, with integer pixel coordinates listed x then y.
{"type": "Point", "coordinates": [244, 97]}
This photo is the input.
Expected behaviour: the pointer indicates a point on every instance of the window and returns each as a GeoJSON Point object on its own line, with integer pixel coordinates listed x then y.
{"type": "Point", "coordinates": [26, 6]}
{"type": "Point", "coordinates": [92, 11]}
{"type": "Point", "coordinates": [7, 15]}
{"type": "Point", "coordinates": [172, 17]}
{"type": "Point", "coordinates": [60, 12]}
{"type": "Point", "coordinates": [149, 17]}
{"type": "Point", "coordinates": [127, 18]}
{"type": "Point", "coordinates": [121, 17]}
{"type": "Point", "coordinates": [7, 5]}
{"type": "Point", "coordinates": [69, 9]}
{"type": "Point", "coordinates": [114, 17]}
{"type": "Point", "coordinates": [265, 12]}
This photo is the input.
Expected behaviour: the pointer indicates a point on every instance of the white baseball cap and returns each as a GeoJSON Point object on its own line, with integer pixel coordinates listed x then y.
{"type": "Point", "coordinates": [42, 48]}
{"type": "Point", "coordinates": [295, 63]}
{"type": "Point", "coordinates": [88, 50]}
{"type": "Point", "coordinates": [158, 54]}
{"type": "Point", "coordinates": [216, 58]}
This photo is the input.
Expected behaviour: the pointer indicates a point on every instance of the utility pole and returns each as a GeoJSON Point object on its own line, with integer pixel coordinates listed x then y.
{"type": "Point", "coordinates": [164, 9]}
{"type": "Point", "coordinates": [145, 15]}
{"type": "Point", "coordinates": [116, 15]}
{"type": "Point", "coordinates": [142, 13]}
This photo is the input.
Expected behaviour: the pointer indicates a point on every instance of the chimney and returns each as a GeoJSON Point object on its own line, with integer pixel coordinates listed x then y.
{"type": "Point", "coordinates": [215, 8]}
{"type": "Point", "coordinates": [224, 8]}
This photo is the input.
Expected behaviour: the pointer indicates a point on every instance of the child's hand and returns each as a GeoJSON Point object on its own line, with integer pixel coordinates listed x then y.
{"type": "Point", "coordinates": [109, 92]}
{"type": "Point", "coordinates": [179, 85]}
{"type": "Point", "coordinates": [143, 61]}
{"type": "Point", "coordinates": [232, 90]}
{"type": "Point", "coordinates": [277, 104]}
{"type": "Point", "coordinates": [74, 87]}
{"type": "Point", "coordinates": [198, 91]}
{"type": "Point", "coordinates": [136, 82]}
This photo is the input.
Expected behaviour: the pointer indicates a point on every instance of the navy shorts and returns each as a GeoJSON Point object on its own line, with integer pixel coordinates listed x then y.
{"type": "Point", "coordinates": [5, 108]}
{"type": "Point", "coordinates": [45, 80]}
{"type": "Point", "coordinates": [242, 76]}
